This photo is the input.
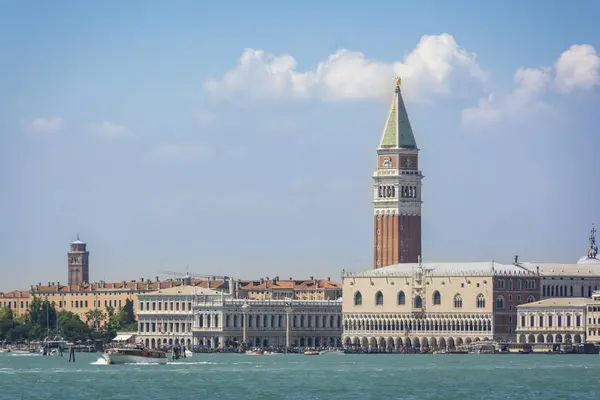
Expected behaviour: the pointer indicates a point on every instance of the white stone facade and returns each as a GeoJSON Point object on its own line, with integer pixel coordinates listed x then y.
{"type": "Point", "coordinates": [227, 322]}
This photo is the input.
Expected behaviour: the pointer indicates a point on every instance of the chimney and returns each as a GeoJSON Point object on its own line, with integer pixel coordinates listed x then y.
{"type": "Point", "coordinates": [49, 283]}
{"type": "Point", "coordinates": [329, 278]}
{"type": "Point", "coordinates": [516, 260]}
{"type": "Point", "coordinates": [141, 279]}
{"type": "Point", "coordinates": [538, 269]}
{"type": "Point", "coordinates": [291, 278]}
{"type": "Point", "coordinates": [58, 286]}
{"type": "Point", "coordinates": [312, 278]}
{"type": "Point", "coordinates": [276, 279]}
{"type": "Point", "coordinates": [262, 280]}
{"type": "Point", "coordinates": [157, 278]}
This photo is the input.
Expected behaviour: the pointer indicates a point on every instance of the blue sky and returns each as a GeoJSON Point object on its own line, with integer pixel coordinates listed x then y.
{"type": "Point", "coordinates": [240, 139]}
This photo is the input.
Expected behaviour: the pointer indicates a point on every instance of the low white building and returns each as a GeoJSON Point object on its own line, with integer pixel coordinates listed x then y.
{"type": "Point", "coordinates": [554, 321]}
{"type": "Point", "coordinates": [166, 316]}
{"type": "Point", "coordinates": [220, 321]}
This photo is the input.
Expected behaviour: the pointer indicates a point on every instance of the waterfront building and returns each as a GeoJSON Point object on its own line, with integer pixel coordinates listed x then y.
{"type": "Point", "coordinates": [166, 316]}
{"type": "Point", "coordinates": [397, 190]}
{"type": "Point", "coordinates": [304, 289]}
{"type": "Point", "coordinates": [434, 305]}
{"type": "Point", "coordinates": [571, 280]}
{"type": "Point", "coordinates": [553, 321]}
{"type": "Point", "coordinates": [17, 301]}
{"type": "Point", "coordinates": [78, 261]}
{"type": "Point", "coordinates": [222, 321]}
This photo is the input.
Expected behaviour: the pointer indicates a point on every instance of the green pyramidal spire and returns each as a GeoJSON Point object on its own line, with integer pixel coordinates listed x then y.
{"type": "Point", "coordinates": [398, 132]}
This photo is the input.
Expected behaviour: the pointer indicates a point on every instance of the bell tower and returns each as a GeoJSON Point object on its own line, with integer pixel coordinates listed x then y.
{"type": "Point", "coordinates": [78, 262]}
{"type": "Point", "coordinates": [397, 190]}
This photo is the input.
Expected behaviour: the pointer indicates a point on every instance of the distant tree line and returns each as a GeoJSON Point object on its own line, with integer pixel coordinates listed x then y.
{"type": "Point", "coordinates": [42, 320]}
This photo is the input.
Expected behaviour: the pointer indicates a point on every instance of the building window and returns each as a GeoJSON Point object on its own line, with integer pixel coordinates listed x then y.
{"type": "Point", "coordinates": [379, 299]}
{"type": "Point", "coordinates": [522, 320]}
{"type": "Point", "coordinates": [357, 299]}
{"type": "Point", "coordinates": [437, 299]}
{"type": "Point", "coordinates": [401, 298]}
{"type": "Point", "coordinates": [500, 283]}
{"type": "Point", "coordinates": [530, 299]}
{"type": "Point", "coordinates": [500, 303]}
{"type": "Point", "coordinates": [518, 284]}
{"type": "Point", "coordinates": [418, 302]}
{"type": "Point", "coordinates": [510, 284]}
{"type": "Point", "coordinates": [578, 320]}
{"type": "Point", "coordinates": [480, 301]}
{"type": "Point", "coordinates": [457, 301]}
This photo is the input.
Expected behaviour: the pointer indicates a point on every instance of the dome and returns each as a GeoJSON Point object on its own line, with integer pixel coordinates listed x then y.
{"type": "Point", "coordinates": [588, 260]}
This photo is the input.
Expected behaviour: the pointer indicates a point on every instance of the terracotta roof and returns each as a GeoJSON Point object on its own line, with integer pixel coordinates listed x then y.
{"type": "Point", "coordinates": [308, 284]}
{"type": "Point", "coordinates": [144, 286]}
{"type": "Point", "coordinates": [15, 294]}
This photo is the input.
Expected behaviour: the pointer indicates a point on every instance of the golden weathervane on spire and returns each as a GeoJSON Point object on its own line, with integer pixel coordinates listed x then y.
{"type": "Point", "coordinates": [398, 81]}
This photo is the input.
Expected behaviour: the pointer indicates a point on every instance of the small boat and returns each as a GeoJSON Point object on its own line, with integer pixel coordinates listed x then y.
{"type": "Point", "coordinates": [332, 352]}
{"type": "Point", "coordinates": [255, 352]}
{"type": "Point", "coordinates": [188, 353]}
{"type": "Point", "coordinates": [126, 355]}
{"type": "Point", "coordinates": [4, 350]}
{"type": "Point", "coordinates": [311, 353]}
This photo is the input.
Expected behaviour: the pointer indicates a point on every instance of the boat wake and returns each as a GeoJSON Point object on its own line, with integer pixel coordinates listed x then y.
{"type": "Point", "coordinates": [191, 363]}
{"type": "Point", "coordinates": [100, 361]}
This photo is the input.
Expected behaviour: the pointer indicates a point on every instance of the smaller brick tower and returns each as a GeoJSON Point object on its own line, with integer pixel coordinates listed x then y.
{"type": "Point", "coordinates": [78, 262]}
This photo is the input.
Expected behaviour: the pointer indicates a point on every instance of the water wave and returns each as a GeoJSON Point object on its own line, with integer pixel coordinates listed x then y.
{"type": "Point", "coordinates": [100, 361]}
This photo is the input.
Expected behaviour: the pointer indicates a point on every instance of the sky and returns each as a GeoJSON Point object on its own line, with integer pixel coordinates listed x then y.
{"type": "Point", "coordinates": [240, 139]}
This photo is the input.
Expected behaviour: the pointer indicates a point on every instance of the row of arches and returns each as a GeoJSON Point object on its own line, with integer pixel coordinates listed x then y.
{"type": "Point", "coordinates": [551, 338]}
{"type": "Point", "coordinates": [387, 191]}
{"type": "Point", "coordinates": [277, 321]}
{"type": "Point", "coordinates": [461, 323]}
{"type": "Point", "coordinates": [392, 344]}
{"type": "Point", "coordinates": [159, 343]}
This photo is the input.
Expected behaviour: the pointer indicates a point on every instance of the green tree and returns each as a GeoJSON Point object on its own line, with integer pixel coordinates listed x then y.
{"type": "Point", "coordinates": [96, 316]}
{"type": "Point", "coordinates": [7, 322]}
{"type": "Point", "coordinates": [72, 327]}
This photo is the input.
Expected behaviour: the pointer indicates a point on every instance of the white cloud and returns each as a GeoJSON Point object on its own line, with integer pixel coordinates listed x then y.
{"type": "Point", "coordinates": [43, 124]}
{"type": "Point", "coordinates": [181, 153]}
{"type": "Point", "coordinates": [437, 66]}
{"type": "Point", "coordinates": [110, 130]}
{"type": "Point", "coordinates": [576, 68]}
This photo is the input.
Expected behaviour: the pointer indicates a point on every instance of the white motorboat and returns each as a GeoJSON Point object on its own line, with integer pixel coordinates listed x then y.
{"type": "Point", "coordinates": [125, 355]}
{"type": "Point", "coordinates": [188, 353]}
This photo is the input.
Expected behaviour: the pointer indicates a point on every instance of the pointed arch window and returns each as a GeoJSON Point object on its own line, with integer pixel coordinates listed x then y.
{"type": "Point", "coordinates": [437, 298]}
{"type": "Point", "coordinates": [379, 299]}
{"type": "Point", "coordinates": [457, 301]}
{"type": "Point", "coordinates": [510, 284]}
{"type": "Point", "coordinates": [401, 298]}
{"type": "Point", "coordinates": [418, 302]}
{"type": "Point", "coordinates": [518, 284]}
{"type": "Point", "coordinates": [500, 303]}
{"type": "Point", "coordinates": [530, 299]}
{"type": "Point", "coordinates": [357, 299]}
{"type": "Point", "coordinates": [480, 301]}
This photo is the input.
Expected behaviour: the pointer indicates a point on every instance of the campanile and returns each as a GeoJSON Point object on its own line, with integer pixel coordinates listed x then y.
{"type": "Point", "coordinates": [397, 190]}
{"type": "Point", "coordinates": [78, 263]}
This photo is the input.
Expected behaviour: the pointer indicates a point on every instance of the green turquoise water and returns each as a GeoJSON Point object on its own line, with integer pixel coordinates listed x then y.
{"type": "Point", "coordinates": [238, 376]}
